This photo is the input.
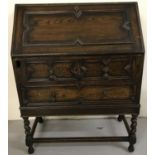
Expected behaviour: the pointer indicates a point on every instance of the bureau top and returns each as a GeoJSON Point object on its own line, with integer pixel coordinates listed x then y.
{"type": "Point", "coordinates": [74, 29]}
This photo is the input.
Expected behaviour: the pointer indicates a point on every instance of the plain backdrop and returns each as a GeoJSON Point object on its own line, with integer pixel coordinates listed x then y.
{"type": "Point", "coordinates": [13, 103]}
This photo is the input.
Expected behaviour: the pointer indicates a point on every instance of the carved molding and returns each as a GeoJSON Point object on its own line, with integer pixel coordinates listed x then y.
{"type": "Point", "coordinates": [78, 42]}
{"type": "Point", "coordinates": [52, 76]}
{"type": "Point", "coordinates": [54, 93]}
{"type": "Point", "coordinates": [127, 68]}
{"type": "Point", "coordinates": [105, 68]}
{"type": "Point", "coordinates": [29, 25]}
{"type": "Point", "coordinates": [77, 12]}
{"type": "Point", "coordinates": [78, 70]}
{"type": "Point", "coordinates": [126, 25]}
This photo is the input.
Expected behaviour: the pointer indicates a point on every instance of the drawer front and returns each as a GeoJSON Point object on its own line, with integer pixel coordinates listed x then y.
{"type": "Point", "coordinates": [78, 68]}
{"type": "Point", "coordinates": [42, 95]}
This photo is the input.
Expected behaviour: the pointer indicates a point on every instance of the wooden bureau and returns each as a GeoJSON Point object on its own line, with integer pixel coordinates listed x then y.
{"type": "Point", "coordinates": [78, 59]}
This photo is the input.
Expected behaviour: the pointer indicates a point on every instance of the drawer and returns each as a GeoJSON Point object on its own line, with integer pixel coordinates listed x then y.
{"type": "Point", "coordinates": [77, 68]}
{"type": "Point", "coordinates": [57, 95]}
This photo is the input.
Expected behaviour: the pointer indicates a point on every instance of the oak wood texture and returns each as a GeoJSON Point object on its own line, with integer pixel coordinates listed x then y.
{"type": "Point", "coordinates": [68, 29]}
{"type": "Point", "coordinates": [78, 59]}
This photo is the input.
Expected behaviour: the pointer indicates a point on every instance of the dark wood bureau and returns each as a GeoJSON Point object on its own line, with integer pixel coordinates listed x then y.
{"type": "Point", "coordinates": [78, 59]}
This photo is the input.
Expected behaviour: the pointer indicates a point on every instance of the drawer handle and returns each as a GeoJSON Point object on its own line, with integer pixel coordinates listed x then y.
{"type": "Point", "coordinates": [78, 70]}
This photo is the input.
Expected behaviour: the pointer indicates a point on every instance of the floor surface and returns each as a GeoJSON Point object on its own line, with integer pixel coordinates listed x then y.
{"type": "Point", "coordinates": [84, 127]}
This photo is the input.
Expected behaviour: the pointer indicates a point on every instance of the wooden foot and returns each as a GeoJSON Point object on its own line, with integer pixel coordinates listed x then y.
{"type": "Point", "coordinates": [30, 150]}
{"type": "Point", "coordinates": [28, 137]}
{"type": "Point", "coordinates": [131, 148]}
{"type": "Point", "coordinates": [132, 135]}
{"type": "Point", "coordinates": [120, 118]}
{"type": "Point", "coordinates": [40, 119]}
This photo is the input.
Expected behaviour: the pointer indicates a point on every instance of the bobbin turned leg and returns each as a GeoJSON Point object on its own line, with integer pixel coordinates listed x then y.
{"type": "Point", "coordinates": [120, 118]}
{"type": "Point", "coordinates": [28, 137]}
{"type": "Point", "coordinates": [132, 135]}
{"type": "Point", "coordinates": [40, 119]}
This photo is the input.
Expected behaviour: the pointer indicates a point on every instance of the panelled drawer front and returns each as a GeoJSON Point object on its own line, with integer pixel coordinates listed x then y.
{"type": "Point", "coordinates": [34, 95]}
{"type": "Point", "coordinates": [78, 68]}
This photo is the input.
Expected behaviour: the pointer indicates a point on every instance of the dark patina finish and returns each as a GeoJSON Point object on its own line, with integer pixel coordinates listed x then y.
{"type": "Point", "coordinates": [78, 59]}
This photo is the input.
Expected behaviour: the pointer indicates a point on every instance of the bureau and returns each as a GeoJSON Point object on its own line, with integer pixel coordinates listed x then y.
{"type": "Point", "coordinates": [78, 59]}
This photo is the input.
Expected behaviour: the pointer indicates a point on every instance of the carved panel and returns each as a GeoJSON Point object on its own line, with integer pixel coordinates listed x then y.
{"type": "Point", "coordinates": [116, 68]}
{"type": "Point", "coordinates": [73, 27]}
{"type": "Point", "coordinates": [37, 70]}
{"type": "Point", "coordinates": [76, 69]}
{"type": "Point", "coordinates": [105, 68]}
{"type": "Point", "coordinates": [77, 11]}
{"type": "Point", "coordinates": [50, 94]}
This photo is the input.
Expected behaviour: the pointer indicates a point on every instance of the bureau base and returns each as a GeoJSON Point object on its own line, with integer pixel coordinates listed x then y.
{"type": "Point", "coordinates": [131, 138]}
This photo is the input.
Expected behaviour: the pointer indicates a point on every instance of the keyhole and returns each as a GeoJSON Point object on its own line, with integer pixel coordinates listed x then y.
{"type": "Point", "coordinates": [18, 64]}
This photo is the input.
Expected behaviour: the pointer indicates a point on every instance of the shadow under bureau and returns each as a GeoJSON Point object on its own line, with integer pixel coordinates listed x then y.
{"type": "Point", "coordinates": [78, 59]}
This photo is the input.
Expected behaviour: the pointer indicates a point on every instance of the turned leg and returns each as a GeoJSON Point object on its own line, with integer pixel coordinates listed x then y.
{"type": "Point", "coordinates": [120, 118]}
{"type": "Point", "coordinates": [40, 119]}
{"type": "Point", "coordinates": [28, 137]}
{"type": "Point", "coordinates": [132, 135]}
